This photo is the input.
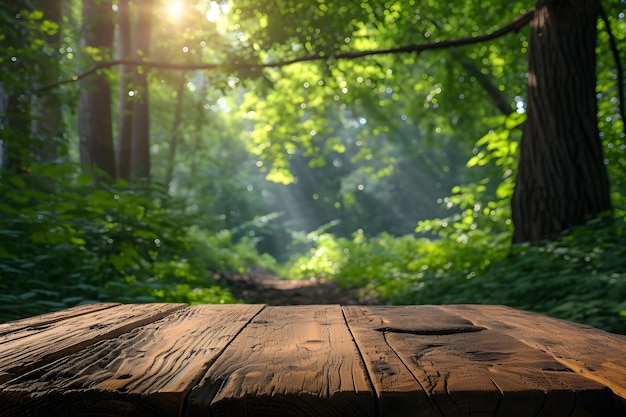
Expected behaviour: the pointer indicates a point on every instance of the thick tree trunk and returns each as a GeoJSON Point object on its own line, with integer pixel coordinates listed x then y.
{"type": "Point", "coordinates": [94, 107]}
{"type": "Point", "coordinates": [562, 179]}
{"type": "Point", "coordinates": [140, 154]}
{"type": "Point", "coordinates": [125, 106]}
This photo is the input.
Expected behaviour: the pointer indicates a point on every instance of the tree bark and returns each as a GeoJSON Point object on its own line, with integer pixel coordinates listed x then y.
{"type": "Point", "coordinates": [140, 154]}
{"type": "Point", "coordinates": [94, 107]}
{"type": "Point", "coordinates": [562, 179]}
{"type": "Point", "coordinates": [125, 106]}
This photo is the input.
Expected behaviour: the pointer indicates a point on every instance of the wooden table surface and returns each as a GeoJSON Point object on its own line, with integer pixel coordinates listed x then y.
{"type": "Point", "coordinates": [257, 360]}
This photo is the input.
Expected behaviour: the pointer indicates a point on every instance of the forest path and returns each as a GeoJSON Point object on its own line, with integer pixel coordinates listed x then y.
{"type": "Point", "coordinates": [265, 288]}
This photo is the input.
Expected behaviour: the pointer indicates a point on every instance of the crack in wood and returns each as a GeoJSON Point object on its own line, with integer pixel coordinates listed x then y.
{"type": "Point", "coordinates": [223, 361]}
{"type": "Point", "coordinates": [500, 397]}
{"type": "Point", "coordinates": [432, 332]}
{"type": "Point", "coordinates": [542, 406]}
{"type": "Point", "coordinates": [433, 403]}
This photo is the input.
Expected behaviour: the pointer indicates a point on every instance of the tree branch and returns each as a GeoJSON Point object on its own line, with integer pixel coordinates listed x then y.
{"type": "Point", "coordinates": [492, 91]}
{"type": "Point", "coordinates": [618, 66]}
{"type": "Point", "coordinates": [513, 26]}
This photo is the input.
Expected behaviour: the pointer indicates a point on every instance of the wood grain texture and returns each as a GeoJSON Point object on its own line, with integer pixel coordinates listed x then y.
{"type": "Point", "coordinates": [593, 353]}
{"type": "Point", "coordinates": [467, 369]}
{"type": "Point", "coordinates": [289, 361]}
{"type": "Point", "coordinates": [252, 360]}
{"type": "Point", "coordinates": [148, 371]}
{"type": "Point", "coordinates": [398, 392]}
{"type": "Point", "coordinates": [46, 319]}
{"type": "Point", "coordinates": [33, 347]}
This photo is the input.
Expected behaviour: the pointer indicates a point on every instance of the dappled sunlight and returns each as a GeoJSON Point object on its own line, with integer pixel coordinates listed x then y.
{"type": "Point", "coordinates": [371, 149]}
{"type": "Point", "coordinates": [214, 12]}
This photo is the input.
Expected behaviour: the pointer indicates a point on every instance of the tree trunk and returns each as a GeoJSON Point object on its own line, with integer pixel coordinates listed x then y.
{"type": "Point", "coordinates": [176, 125]}
{"type": "Point", "coordinates": [562, 180]}
{"type": "Point", "coordinates": [140, 155]}
{"type": "Point", "coordinates": [94, 107]}
{"type": "Point", "coordinates": [15, 90]}
{"type": "Point", "coordinates": [15, 153]}
{"type": "Point", "coordinates": [47, 118]}
{"type": "Point", "coordinates": [125, 114]}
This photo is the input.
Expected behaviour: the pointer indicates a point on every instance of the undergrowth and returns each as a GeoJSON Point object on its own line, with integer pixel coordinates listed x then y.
{"type": "Point", "coordinates": [68, 237]}
{"type": "Point", "coordinates": [579, 277]}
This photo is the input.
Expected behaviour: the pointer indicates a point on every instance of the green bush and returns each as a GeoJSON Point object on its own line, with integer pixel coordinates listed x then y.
{"type": "Point", "coordinates": [579, 277]}
{"type": "Point", "coordinates": [68, 237]}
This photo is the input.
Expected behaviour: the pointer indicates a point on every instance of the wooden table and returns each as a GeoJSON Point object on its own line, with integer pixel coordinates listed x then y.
{"type": "Point", "coordinates": [256, 360]}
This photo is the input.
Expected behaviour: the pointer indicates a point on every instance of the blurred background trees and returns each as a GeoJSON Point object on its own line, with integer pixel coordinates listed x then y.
{"type": "Point", "coordinates": [376, 144]}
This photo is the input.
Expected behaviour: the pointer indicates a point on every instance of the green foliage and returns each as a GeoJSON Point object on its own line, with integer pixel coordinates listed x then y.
{"type": "Point", "coordinates": [610, 123]}
{"type": "Point", "coordinates": [373, 143]}
{"type": "Point", "coordinates": [67, 240]}
{"type": "Point", "coordinates": [579, 277]}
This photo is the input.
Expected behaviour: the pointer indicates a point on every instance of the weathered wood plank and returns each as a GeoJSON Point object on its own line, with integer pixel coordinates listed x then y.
{"type": "Point", "coordinates": [46, 319]}
{"type": "Point", "coordinates": [586, 350]}
{"type": "Point", "coordinates": [148, 371]}
{"type": "Point", "coordinates": [32, 347]}
{"type": "Point", "coordinates": [397, 390]}
{"type": "Point", "coordinates": [289, 361]}
{"type": "Point", "coordinates": [467, 369]}
{"type": "Point", "coordinates": [303, 361]}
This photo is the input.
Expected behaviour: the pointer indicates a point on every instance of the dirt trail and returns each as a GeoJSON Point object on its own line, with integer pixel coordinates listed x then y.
{"type": "Point", "coordinates": [265, 288]}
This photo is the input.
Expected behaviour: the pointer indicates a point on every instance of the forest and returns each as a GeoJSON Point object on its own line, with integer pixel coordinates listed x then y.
{"type": "Point", "coordinates": [409, 152]}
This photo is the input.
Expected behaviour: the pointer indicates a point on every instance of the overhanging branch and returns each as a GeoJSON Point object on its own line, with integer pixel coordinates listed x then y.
{"type": "Point", "coordinates": [618, 66]}
{"type": "Point", "coordinates": [513, 26]}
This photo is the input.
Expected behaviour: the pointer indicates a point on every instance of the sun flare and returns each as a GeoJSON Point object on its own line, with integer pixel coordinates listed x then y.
{"type": "Point", "coordinates": [175, 10]}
